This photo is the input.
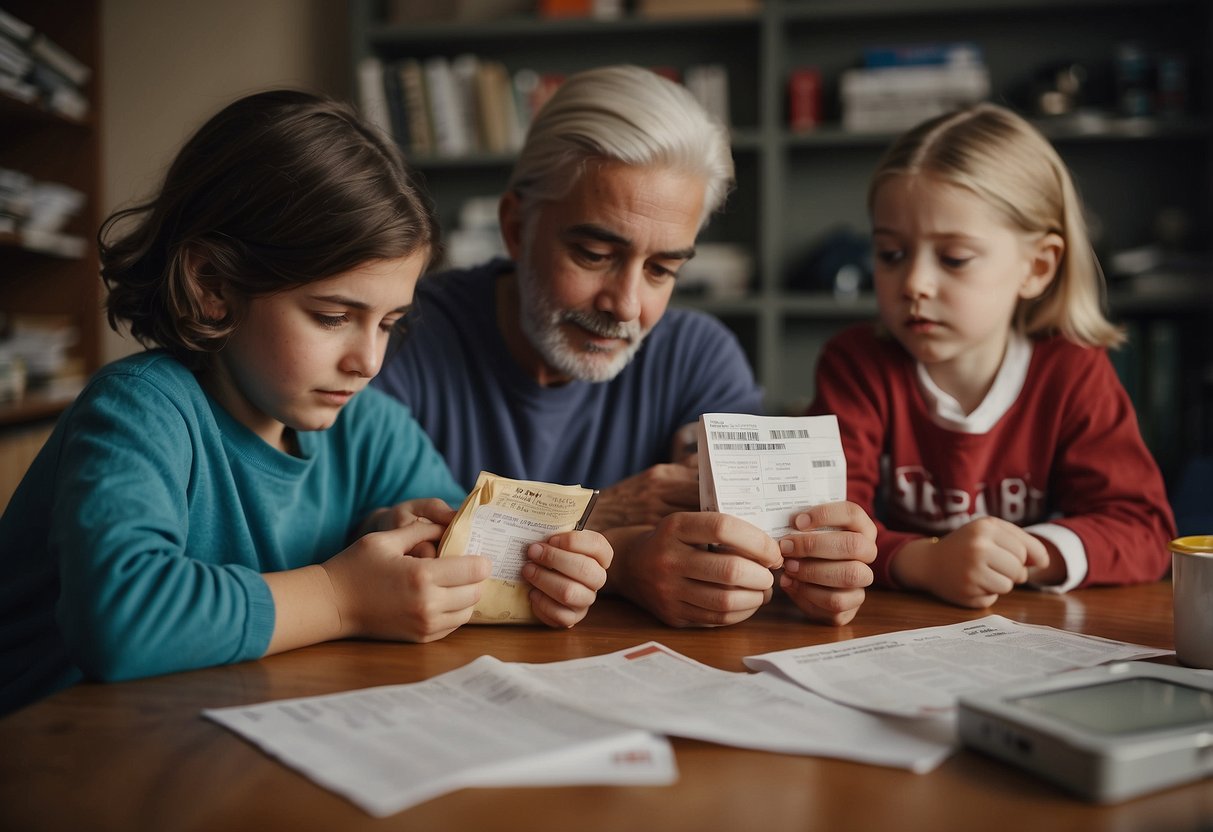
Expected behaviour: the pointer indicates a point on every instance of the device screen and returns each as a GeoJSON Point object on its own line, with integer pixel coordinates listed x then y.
{"type": "Point", "coordinates": [1125, 706]}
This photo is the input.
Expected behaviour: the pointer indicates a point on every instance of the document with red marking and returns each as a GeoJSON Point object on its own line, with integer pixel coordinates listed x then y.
{"type": "Point", "coordinates": [388, 748]}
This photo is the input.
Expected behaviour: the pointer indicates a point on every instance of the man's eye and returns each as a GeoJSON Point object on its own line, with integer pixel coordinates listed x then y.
{"type": "Point", "coordinates": [890, 256]}
{"type": "Point", "coordinates": [955, 262]}
{"type": "Point", "coordinates": [590, 257]}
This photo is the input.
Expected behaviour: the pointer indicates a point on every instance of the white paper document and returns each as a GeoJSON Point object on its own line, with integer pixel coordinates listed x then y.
{"type": "Point", "coordinates": [389, 748]}
{"type": "Point", "coordinates": [915, 673]}
{"type": "Point", "coordinates": [655, 688]}
{"type": "Point", "coordinates": [767, 469]}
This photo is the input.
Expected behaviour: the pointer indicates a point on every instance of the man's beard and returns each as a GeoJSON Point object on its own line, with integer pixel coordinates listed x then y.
{"type": "Point", "coordinates": [541, 323]}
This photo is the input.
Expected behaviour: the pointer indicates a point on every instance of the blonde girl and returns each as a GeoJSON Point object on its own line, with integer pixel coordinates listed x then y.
{"type": "Point", "coordinates": [982, 421]}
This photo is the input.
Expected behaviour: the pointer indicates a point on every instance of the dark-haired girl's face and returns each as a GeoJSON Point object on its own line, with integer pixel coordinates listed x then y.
{"type": "Point", "coordinates": [300, 355]}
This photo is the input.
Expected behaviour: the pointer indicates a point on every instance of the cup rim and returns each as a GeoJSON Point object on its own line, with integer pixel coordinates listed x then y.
{"type": "Point", "coordinates": [1196, 544]}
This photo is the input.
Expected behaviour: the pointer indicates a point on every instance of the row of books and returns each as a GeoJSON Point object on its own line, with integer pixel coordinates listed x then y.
{"type": "Point", "coordinates": [899, 86]}
{"type": "Point", "coordinates": [37, 212]}
{"type": "Point", "coordinates": [453, 107]}
{"type": "Point", "coordinates": [412, 12]}
{"type": "Point", "coordinates": [35, 69]}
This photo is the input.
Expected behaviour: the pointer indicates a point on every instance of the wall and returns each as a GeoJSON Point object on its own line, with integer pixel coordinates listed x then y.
{"type": "Point", "coordinates": [169, 64]}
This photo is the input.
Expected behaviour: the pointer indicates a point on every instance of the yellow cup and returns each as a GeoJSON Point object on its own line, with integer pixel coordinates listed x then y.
{"type": "Point", "coordinates": [1192, 595]}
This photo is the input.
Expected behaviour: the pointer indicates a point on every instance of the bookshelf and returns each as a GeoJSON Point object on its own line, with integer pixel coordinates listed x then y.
{"type": "Point", "coordinates": [796, 187]}
{"type": "Point", "coordinates": [54, 276]}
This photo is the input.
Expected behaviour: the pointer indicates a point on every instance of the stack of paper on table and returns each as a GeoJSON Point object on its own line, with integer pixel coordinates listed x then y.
{"type": "Point", "coordinates": [389, 748]}
{"type": "Point", "coordinates": [887, 700]}
{"type": "Point", "coordinates": [917, 673]}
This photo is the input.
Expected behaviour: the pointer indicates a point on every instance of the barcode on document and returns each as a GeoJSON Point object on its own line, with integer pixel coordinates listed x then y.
{"type": "Point", "coordinates": [798, 433]}
{"type": "Point", "coordinates": [785, 486]}
{"type": "Point", "coordinates": [736, 435]}
{"type": "Point", "coordinates": [749, 446]}
{"type": "Point", "coordinates": [823, 463]}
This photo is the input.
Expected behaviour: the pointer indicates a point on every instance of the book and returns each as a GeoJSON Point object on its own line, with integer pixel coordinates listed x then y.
{"type": "Point", "coordinates": [450, 129]}
{"type": "Point", "coordinates": [495, 107]}
{"type": "Point", "coordinates": [420, 125]}
{"type": "Point", "coordinates": [14, 27]}
{"type": "Point", "coordinates": [696, 8]}
{"type": "Point", "coordinates": [48, 52]}
{"type": "Point", "coordinates": [898, 97]}
{"type": "Point", "coordinates": [464, 70]}
{"type": "Point", "coordinates": [14, 59]}
{"type": "Point", "coordinates": [397, 111]}
{"type": "Point", "coordinates": [961, 53]}
{"type": "Point", "coordinates": [372, 97]}
{"type": "Point", "coordinates": [709, 83]}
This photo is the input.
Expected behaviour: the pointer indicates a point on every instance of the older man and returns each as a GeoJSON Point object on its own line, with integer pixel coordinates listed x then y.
{"type": "Point", "coordinates": [564, 363]}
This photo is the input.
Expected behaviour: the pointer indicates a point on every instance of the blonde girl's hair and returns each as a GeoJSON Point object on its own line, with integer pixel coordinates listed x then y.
{"type": "Point", "coordinates": [1005, 161]}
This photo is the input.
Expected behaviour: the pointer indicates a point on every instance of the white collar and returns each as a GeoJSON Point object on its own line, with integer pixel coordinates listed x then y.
{"type": "Point", "coordinates": [946, 412]}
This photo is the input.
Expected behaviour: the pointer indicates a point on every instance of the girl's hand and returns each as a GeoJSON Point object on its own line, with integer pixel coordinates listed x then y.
{"type": "Point", "coordinates": [566, 572]}
{"type": "Point", "coordinates": [973, 565]}
{"type": "Point", "coordinates": [382, 590]}
{"type": "Point", "coordinates": [430, 510]}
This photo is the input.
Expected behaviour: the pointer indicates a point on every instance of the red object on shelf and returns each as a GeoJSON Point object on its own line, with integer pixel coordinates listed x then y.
{"type": "Point", "coordinates": [804, 99]}
{"type": "Point", "coordinates": [566, 8]}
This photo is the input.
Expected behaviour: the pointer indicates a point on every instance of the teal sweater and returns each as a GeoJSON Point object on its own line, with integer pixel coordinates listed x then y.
{"type": "Point", "coordinates": [135, 544]}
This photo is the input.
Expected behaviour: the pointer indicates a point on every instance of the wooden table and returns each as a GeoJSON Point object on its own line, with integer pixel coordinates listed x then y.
{"type": "Point", "coordinates": [138, 755]}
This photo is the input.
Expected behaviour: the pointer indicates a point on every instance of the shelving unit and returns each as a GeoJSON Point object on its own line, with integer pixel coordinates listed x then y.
{"type": "Point", "coordinates": [33, 280]}
{"type": "Point", "coordinates": [793, 188]}
{"type": "Point", "coordinates": [52, 147]}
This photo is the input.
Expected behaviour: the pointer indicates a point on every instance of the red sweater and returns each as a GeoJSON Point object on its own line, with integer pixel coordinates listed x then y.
{"type": "Point", "coordinates": [1067, 452]}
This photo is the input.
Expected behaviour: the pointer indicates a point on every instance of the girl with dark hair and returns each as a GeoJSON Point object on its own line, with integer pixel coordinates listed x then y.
{"type": "Point", "coordinates": [234, 491]}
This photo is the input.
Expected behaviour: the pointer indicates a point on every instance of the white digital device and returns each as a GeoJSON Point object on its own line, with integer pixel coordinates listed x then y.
{"type": "Point", "coordinates": [1108, 733]}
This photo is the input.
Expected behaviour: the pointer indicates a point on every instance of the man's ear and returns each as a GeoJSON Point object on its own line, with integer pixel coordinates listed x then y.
{"type": "Point", "coordinates": [509, 217]}
{"type": "Point", "coordinates": [1045, 259]}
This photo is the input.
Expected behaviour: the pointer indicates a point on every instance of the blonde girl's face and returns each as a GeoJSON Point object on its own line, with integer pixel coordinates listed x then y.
{"type": "Point", "coordinates": [949, 273]}
{"type": "Point", "coordinates": [300, 355]}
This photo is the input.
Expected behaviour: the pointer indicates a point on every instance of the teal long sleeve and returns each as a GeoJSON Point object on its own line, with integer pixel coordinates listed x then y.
{"type": "Point", "coordinates": [135, 544]}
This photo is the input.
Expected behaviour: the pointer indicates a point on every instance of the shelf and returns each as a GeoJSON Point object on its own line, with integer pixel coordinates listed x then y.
{"type": "Point", "coordinates": [825, 10]}
{"type": "Point", "coordinates": [794, 189]}
{"type": "Point", "coordinates": [40, 403]}
{"type": "Point", "coordinates": [469, 34]}
{"type": "Point", "coordinates": [55, 274]}
{"type": "Point", "coordinates": [15, 111]}
{"type": "Point", "coordinates": [1063, 129]}
{"type": "Point", "coordinates": [50, 243]}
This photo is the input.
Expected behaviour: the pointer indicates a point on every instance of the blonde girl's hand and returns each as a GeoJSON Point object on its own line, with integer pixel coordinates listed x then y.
{"type": "Point", "coordinates": [975, 564]}
{"type": "Point", "coordinates": [383, 591]}
{"type": "Point", "coordinates": [566, 571]}
{"type": "Point", "coordinates": [428, 509]}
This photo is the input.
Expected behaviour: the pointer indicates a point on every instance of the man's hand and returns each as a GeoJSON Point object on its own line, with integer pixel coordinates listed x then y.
{"type": "Point", "coordinates": [667, 568]}
{"type": "Point", "coordinates": [826, 563]}
{"type": "Point", "coordinates": [647, 497]}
